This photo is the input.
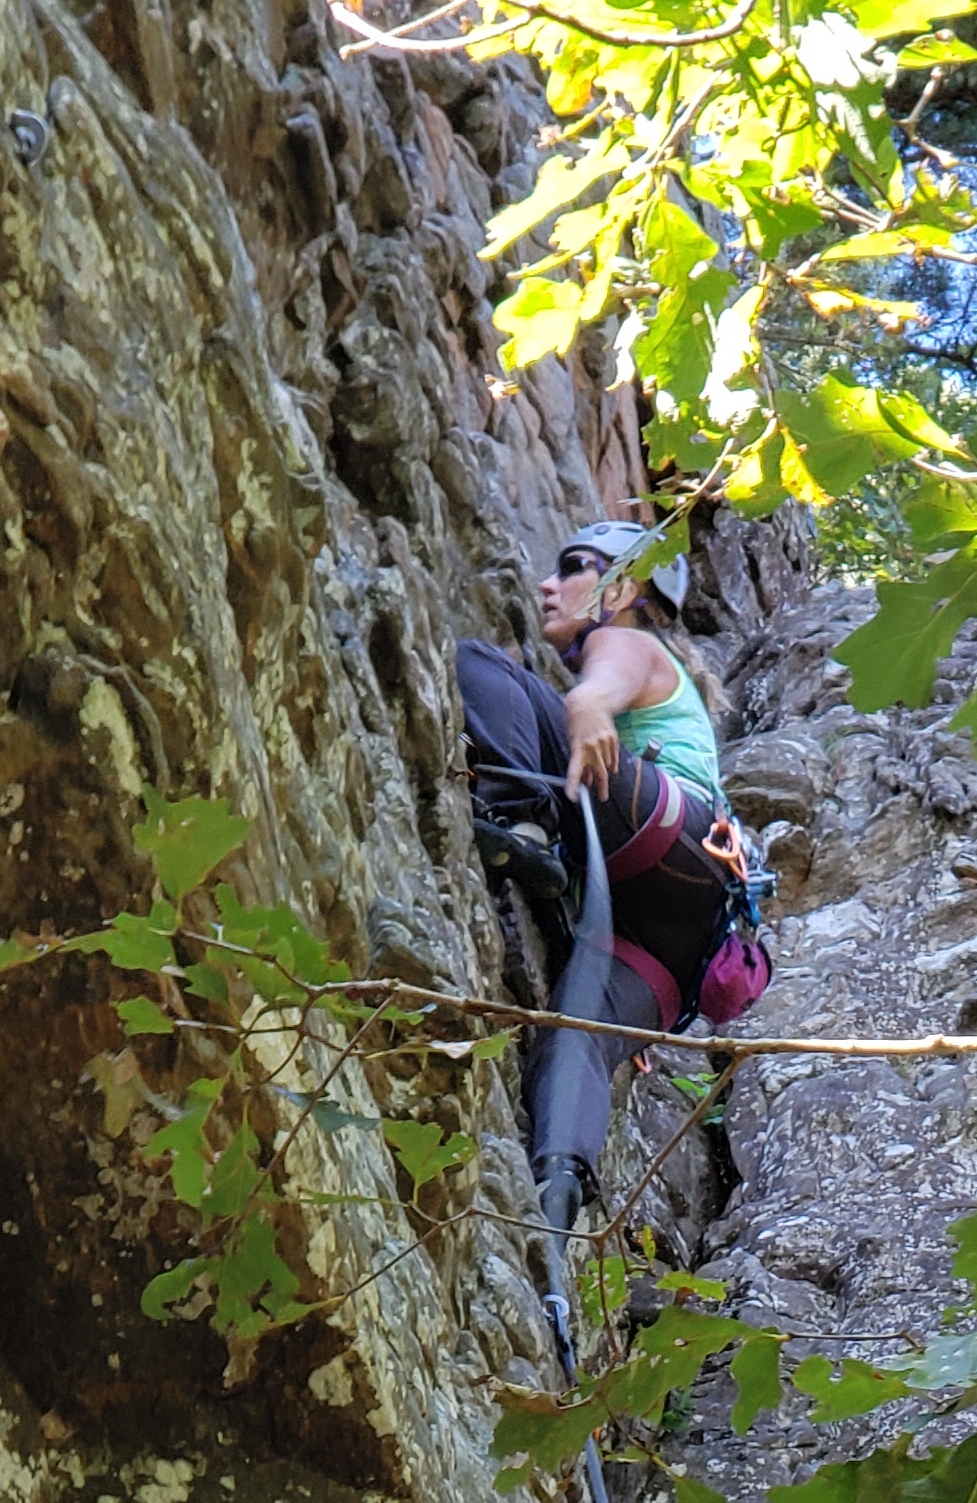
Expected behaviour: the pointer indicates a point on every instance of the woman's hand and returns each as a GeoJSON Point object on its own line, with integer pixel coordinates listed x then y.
{"type": "Point", "coordinates": [593, 743]}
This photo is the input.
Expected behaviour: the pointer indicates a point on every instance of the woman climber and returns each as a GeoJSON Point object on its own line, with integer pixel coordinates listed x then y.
{"type": "Point", "coordinates": [635, 730]}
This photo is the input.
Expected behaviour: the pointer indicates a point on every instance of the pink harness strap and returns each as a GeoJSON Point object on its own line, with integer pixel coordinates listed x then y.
{"type": "Point", "coordinates": [661, 981]}
{"type": "Point", "coordinates": [656, 837]}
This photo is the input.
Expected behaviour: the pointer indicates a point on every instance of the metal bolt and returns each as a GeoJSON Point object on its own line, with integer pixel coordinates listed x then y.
{"type": "Point", "coordinates": [31, 132]}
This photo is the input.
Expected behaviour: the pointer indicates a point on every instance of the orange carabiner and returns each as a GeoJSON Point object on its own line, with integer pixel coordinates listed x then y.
{"type": "Point", "coordinates": [730, 850]}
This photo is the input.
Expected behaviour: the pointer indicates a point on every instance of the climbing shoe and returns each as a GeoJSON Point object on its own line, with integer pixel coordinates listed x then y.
{"type": "Point", "coordinates": [523, 853]}
{"type": "Point", "coordinates": [560, 1186]}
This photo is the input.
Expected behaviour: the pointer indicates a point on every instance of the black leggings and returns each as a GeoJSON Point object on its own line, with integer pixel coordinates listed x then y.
{"type": "Point", "coordinates": [517, 720]}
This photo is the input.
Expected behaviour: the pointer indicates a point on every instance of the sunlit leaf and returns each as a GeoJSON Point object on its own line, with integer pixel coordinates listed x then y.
{"type": "Point", "coordinates": [542, 317]}
{"type": "Point", "coordinates": [893, 18]}
{"type": "Point", "coordinates": [560, 182]}
{"type": "Point", "coordinates": [187, 839]}
{"type": "Point", "coordinates": [902, 242]}
{"type": "Point", "coordinates": [928, 51]}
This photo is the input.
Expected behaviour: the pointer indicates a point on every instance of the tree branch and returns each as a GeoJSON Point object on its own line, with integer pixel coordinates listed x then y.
{"type": "Point", "coordinates": [932, 1044]}
{"type": "Point", "coordinates": [534, 11]}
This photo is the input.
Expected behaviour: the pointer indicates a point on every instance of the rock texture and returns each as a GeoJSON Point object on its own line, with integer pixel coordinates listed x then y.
{"type": "Point", "coordinates": [257, 474]}
{"type": "Point", "coordinates": [849, 1170]}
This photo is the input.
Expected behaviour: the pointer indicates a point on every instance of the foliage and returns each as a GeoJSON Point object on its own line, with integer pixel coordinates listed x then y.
{"type": "Point", "coordinates": [796, 370]}
{"type": "Point", "coordinates": [206, 1145]}
{"type": "Point", "coordinates": [219, 1169]}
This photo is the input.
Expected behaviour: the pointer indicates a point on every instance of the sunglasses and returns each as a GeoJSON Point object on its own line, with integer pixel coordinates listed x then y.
{"type": "Point", "coordinates": [577, 563]}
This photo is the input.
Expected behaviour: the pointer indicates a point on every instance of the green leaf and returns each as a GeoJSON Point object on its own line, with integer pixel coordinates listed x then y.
{"type": "Point", "coordinates": [420, 1149]}
{"type": "Point", "coordinates": [186, 1140]}
{"type": "Point", "coordinates": [841, 432]}
{"type": "Point", "coordinates": [942, 511]}
{"type": "Point", "coordinates": [495, 1046]}
{"type": "Point", "coordinates": [132, 943]}
{"type": "Point", "coordinates": [187, 839]}
{"type": "Point", "coordinates": [902, 242]}
{"type": "Point", "coordinates": [756, 1368]}
{"type": "Point", "coordinates": [235, 1177]}
{"type": "Point", "coordinates": [692, 1284]}
{"type": "Point", "coordinates": [326, 1115]}
{"type": "Point", "coordinates": [964, 1233]}
{"type": "Point", "coordinates": [929, 51]}
{"type": "Point", "coordinates": [140, 1015]}
{"type": "Point", "coordinates": [615, 1287]}
{"type": "Point", "coordinates": [538, 1423]}
{"type": "Point", "coordinates": [250, 1267]}
{"type": "Point", "coordinates": [279, 935]}
{"type": "Point", "coordinates": [169, 1287]}
{"type": "Point", "coordinates": [893, 657]}
{"type": "Point", "coordinates": [859, 1389]}
{"type": "Point", "coordinates": [910, 418]}
{"type": "Point", "coordinates": [207, 981]}
{"type": "Point", "coordinates": [678, 1343]}
{"type": "Point", "coordinates": [13, 953]}
{"type": "Point", "coordinates": [893, 18]}
{"type": "Point", "coordinates": [688, 1490]}
{"type": "Point", "coordinates": [560, 182]}
{"type": "Point", "coordinates": [508, 1478]}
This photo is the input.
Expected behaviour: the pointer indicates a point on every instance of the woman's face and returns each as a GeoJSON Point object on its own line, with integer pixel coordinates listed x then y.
{"type": "Point", "coordinates": [565, 596]}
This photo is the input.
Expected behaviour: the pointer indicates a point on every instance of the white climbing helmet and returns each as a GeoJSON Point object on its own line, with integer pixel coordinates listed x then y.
{"type": "Point", "coordinates": [613, 539]}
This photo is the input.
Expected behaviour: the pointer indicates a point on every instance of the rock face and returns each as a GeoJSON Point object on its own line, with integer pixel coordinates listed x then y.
{"type": "Point", "coordinates": [257, 474]}
{"type": "Point", "coordinates": [849, 1170]}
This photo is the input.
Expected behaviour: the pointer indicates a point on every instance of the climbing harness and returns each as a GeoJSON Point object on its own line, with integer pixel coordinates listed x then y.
{"type": "Point", "coordinates": [31, 133]}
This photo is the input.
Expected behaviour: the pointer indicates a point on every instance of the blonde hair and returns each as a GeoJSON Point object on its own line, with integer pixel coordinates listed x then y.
{"type": "Point", "coordinates": [676, 640]}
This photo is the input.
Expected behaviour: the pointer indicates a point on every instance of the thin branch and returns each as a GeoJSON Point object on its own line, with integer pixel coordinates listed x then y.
{"type": "Point", "coordinates": [378, 38]}
{"type": "Point", "coordinates": [720, 1084]}
{"type": "Point", "coordinates": [442, 11]}
{"type": "Point", "coordinates": [727, 28]}
{"type": "Point", "coordinates": [945, 471]}
{"type": "Point", "coordinates": [932, 1044]}
{"type": "Point", "coordinates": [400, 43]}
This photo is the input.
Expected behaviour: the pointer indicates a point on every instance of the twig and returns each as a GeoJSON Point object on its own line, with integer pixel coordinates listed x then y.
{"type": "Point", "coordinates": [946, 471]}
{"type": "Point", "coordinates": [378, 38]}
{"type": "Point", "coordinates": [722, 1081]}
{"type": "Point", "coordinates": [932, 1044]}
{"type": "Point", "coordinates": [911, 121]}
{"type": "Point", "coordinates": [442, 11]}
{"type": "Point", "coordinates": [530, 8]}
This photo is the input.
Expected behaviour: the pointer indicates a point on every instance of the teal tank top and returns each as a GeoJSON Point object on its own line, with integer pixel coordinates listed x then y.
{"type": "Point", "coordinates": [681, 726]}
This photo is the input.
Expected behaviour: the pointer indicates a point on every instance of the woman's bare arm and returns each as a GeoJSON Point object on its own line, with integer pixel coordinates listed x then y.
{"type": "Point", "coordinates": [622, 670]}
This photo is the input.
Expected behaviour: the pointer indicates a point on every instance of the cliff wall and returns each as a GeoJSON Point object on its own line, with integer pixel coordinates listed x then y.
{"type": "Point", "coordinates": [258, 473]}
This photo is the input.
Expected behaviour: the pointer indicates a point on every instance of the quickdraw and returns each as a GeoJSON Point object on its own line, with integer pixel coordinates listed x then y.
{"type": "Point", "coordinates": [724, 843]}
